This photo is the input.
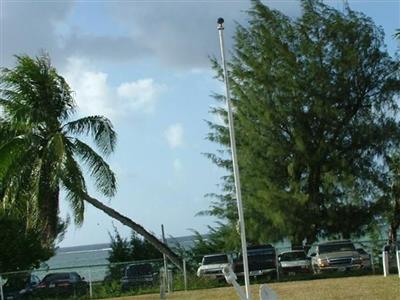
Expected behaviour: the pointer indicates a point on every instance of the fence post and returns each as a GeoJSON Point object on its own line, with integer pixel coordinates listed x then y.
{"type": "Point", "coordinates": [1, 288]}
{"type": "Point", "coordinates": [165, 260]}
{"type": "Point", "coordinates": [398, 261]}
{"type": "Point", "coordinates": [170, 281]}
{"type": "Point", "coordinates": [162, 284]}
{"type": "Point", "coordinates": [372, 261]}
{"type": "Point", "coordinates": [277, 265]}
{"type": "Point", "coordinates": [185, 274]}
{"type": "Point", "coordinates": [90, 284]}
{"type": "Point", "coordinates": [385, 262]}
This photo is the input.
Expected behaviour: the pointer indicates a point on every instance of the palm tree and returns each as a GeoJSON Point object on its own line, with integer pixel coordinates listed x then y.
{"type": "Point", "coordinates": [41, 148]}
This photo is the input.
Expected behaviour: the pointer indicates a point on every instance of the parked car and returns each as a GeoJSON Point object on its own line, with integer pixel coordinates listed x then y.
{"type": "Point", "coordinates": [137, 275]}
{"type": "Point", "coordinates": [335, 256]}
{"type": "Point", "coordinates": [292, 262]}
{"type": "Point", "coordinates": [365, 257]}
{"type": "Point", "coordinates": [212, 265]}
{"type": "Point", "coordinates": [20, 286]}
{"type": "Point", "coordinates": [261, 260]}
{"type": "Point", "coordinates": [61, 284]}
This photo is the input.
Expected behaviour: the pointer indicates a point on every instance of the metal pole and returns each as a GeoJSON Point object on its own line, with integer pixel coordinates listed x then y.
{"type": "Point", "coordinates": [234, 161]}
{"type": "Point", "coordinates": [398, 261]}
{"type": "Point", "coordinates": [165, 261]}
{"type": "Point", "coordinates": [277, 265]}
{"type": "Point", "coordinates": [90, 284]}
{"type": "Point", "coordinates": [185, 275]}
{"type": "Point", "coordinates": [372, 261]}
{"type": "Point", "coordinates": [162, 285]}
{"type": "Point", "coordinates": [1, 288]}
{"type": "Point", "coordinates": [385, 261]}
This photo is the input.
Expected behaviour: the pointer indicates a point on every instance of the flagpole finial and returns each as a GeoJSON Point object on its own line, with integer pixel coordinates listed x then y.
{"type": "Point", "coordinates": [220, 22]}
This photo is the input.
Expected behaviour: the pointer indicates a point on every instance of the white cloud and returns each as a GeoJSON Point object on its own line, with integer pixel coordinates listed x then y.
{"type": "Point", "coordinates": [95, 96]}
{"type": "Point", "coordinates": [174, 135]}
{"type": "Point", "coordinates": [141, 94]}
{"type": "Point", "coordinates": [91, 90]}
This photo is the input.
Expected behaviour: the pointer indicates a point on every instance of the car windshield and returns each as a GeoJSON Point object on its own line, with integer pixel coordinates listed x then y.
{"type": "Point", "coordinates": [362, 251]}
{"type": "Point", "coordinates": [215, 259]}
{"type": "Point", "coordinates": [257, 252]}
{"type": "Point", "coordinates": [138, 270]}
{"type": "Point", "coordinates": [16, 282]}
{"type": "Point", "coordinates": [326, 248]}
{"type": "Point", "coordinates": [290, 256]}
{"type": "Point", "coordinates": [58, 276]}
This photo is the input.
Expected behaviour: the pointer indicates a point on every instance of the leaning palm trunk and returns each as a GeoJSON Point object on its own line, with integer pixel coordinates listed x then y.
{"type": "Point", "coordinates": [163, 248]}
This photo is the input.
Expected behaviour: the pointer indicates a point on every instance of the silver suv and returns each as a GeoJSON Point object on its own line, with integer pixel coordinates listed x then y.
{"type": "Point", "coordinates": [335, 256]}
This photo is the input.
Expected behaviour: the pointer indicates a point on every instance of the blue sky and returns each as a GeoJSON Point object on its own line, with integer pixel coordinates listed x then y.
{"type": "Point", "coordinates": [144, 64]}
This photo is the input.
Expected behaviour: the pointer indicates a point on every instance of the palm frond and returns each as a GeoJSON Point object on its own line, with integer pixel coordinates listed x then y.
{"type": "Point", "coordinates": [11, 151]}
{"type": "Point", "coordinates": [99, 127]}
{"type": "Point", "coordinates": [20, 183]}
{"type": "Point", "coordinates": [38, 154]}
{"type": "Point", "coordinates": [101, 172]}
{"type": "Point", "coordinates": [36, 91]}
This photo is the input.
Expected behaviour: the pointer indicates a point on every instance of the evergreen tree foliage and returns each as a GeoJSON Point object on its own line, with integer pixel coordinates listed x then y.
{"type": "Point", "coordinates": [202, 245]}
{"type": "Point", "coordinates": [314, 104]}
{"type": "Point", "coordinates": [124, 250]}
{"type": "Point", "coordinates": [389, 202]}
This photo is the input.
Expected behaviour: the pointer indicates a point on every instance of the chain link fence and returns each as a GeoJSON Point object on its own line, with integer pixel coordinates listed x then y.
{"type": "Point", "coordinates": [144, 277]}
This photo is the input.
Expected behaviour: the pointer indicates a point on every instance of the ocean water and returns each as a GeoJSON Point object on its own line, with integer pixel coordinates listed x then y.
{"type": "Point", "coordinates": [80, 256]}
{"type": "Point", "coordinates": [91, 261]}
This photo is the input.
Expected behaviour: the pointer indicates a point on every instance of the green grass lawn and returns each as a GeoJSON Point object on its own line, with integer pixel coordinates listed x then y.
{"type": "Point", "coordinates": [364, 287]}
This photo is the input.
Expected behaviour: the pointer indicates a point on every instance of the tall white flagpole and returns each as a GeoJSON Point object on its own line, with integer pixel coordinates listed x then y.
{"type": "Point", "coordinates": [234, 161]}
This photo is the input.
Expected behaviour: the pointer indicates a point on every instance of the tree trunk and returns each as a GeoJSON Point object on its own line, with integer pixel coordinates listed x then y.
{"type": "Point", "coordinates": [395, 224]}
{"type": "Point", "coordinates": [139, 229]}
{"type": "Point", "coordinates": [313, 205]}
{"type": "Point", "coordinates": [48, 204]}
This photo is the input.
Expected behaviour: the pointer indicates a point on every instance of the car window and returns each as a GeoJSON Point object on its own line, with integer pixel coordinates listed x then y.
{"type": "Point", "coordinates": [259, 253]}
{"type": "Point", "coordinates": [34, 279]}
{"type": "Point", "coordinates": [327, 248]}
{"type": "Point", "coordinates": [215, 259]}
{"type": "Point", "coordinates": [75, 277]}
{"type": "Point", "coordinates": [291, 256]}
{"type": "Point", "coordinates": [16, 282]}
{"type": "Point", "coordinates": [362, 251]}
{"type": "Point", "coordinates": [264, 251]}
{"type": "Point", "coordinates": [56, 276]}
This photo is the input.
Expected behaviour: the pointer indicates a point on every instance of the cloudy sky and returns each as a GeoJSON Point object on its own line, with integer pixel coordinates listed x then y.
{"type": "Point", "coordinates": [145, 65]}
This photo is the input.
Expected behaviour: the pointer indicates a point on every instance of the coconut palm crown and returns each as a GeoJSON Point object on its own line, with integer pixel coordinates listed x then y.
{"type": "Point", "coordinates": [40, 149]}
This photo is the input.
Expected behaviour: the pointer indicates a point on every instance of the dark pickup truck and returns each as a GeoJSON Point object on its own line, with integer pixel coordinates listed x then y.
{"type": "Point", "coordinates": [261, 259]}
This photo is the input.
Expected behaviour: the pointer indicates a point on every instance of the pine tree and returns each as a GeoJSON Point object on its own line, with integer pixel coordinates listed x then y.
{"type": "Point", "coordinates": [314, 102]}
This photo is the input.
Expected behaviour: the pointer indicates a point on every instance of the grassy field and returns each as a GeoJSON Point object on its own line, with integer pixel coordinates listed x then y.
{"type": "Point", "coordinates": [365, 288]}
